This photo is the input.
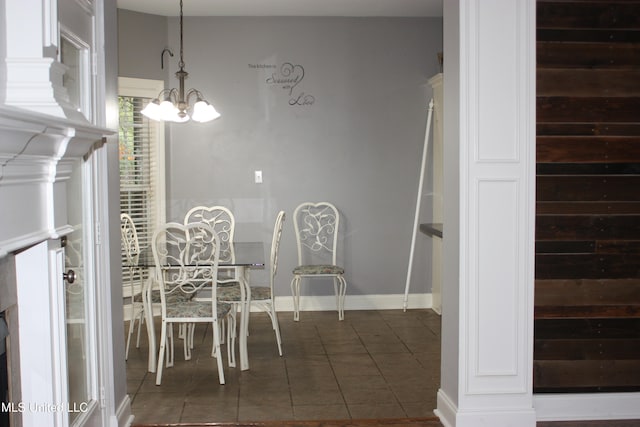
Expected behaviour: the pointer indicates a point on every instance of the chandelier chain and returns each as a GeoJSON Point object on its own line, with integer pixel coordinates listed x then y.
{"type": "Point", "coordinates": [181, 63]}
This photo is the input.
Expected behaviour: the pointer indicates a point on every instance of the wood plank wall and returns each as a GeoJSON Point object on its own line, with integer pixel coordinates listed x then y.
{"type": "Point", "coordinates": [587, 288]}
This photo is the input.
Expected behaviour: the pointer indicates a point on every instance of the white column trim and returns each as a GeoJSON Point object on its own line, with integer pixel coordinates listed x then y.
{"type": "Point", "coordinates": [38, 323]}
{"type": "Point", "coordinates": [491, 334]}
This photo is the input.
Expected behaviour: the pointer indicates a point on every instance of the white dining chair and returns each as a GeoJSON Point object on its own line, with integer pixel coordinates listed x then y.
{"type": "Point", "coordinates": [316, 228]}
{"type": "Point", "coordinates": [262, 296]}
{"type": "Point", "coordinates": [186, 259]}
{"type": "Point", "coordinates": [132, 279]}
{"type": "Point", "coordinates": [223, 222]}
{"type": "Point", "coordinates": [141, 296]}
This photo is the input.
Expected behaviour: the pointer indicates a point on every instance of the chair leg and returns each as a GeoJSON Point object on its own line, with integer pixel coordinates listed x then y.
{"type": "Point", "coordinates": [231, 336]}
{"type": "Point", "coordinates": [163, 343]}
{"type": "Point", "coordinates": [224, 327]}
{"type": "Point", "coordinates": [295, 290]}
{"type": "Point", "coordinates": [170, 351]}
{"type": "Point", "coordinates": [221, 334]}
{"type": "Point", "coordinates": [227, 335]}
{"type": "Point", "coordinates": [132, 324]}
{"type": "Point", "coordinates": [336, 291]}
{"type": "Point", "coordinates": [276, 325]}
{"type": "Point", "coordinates": [140, 323]}
{"type": "Point", "coordinates": [216, 344]}
{"type": "Point", "coordinates": [342, 291]}
{"type": "Point", "coordinates": [129, 333]}
{"type": "Point", "coordinates": [187, 343]}
{"type": "Point", "coordinates": [148, 318]}
{"type": "Point", "coordinates": [269, 307]}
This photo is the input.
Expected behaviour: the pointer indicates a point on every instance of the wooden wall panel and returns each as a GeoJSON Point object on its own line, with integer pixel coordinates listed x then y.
{"type": "Point", "coordinates": [587, 266]}
{"type": "Point", "coordinates": [590, 349]}
{"type": "Point", "coordinates": [581, 227]}
{"type": "Point", "coordinates": [574, 82]}
{"type": "Point", "coordinates": [588, 56]}
{"type": "Point", "coordinates": [587, 188]}
{"type": "Point", "coordinates": [588, 35]}
{"type": "Point", "coordinates": [582, 292]}
{"type": "Point", "coordinates": [586, 375]}
{"type": "Point", "coordinates": [591, 149]}
{"type": "Point", "coordinates": [587, 129]}
{"type": "Point", "coordinates": [589, 329]}
{"type": "Point", "coordinates": [587, 296]}
{"type": "Point", "coordinates": [587, 109]}
{"type": "Point", "coordinates": [593, 208]}
{"type": "Point", "coordinates": [586, 14]}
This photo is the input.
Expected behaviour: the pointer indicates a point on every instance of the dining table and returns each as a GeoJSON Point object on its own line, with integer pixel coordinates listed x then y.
{"type": "Point", "coordinates": [248, 256]}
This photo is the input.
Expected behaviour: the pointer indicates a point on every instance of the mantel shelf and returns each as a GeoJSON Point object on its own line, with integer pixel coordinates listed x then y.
{"type": "Point", "coordinates": [36, 154]}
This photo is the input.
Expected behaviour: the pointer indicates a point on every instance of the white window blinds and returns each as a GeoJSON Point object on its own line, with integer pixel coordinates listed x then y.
{"type": "Point", "coordinates": [138, 168]}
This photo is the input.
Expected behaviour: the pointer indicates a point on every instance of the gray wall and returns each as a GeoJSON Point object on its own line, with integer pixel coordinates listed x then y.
{"type": "Point", "coordinates": [358, 144]}
{"type": "Point", "coordinates": [141, 39]}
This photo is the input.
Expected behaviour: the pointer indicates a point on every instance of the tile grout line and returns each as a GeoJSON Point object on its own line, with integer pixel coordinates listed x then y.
{"type": "Point", "coordinates": [346, 405]}
{"type": "Point", "coordinates": [383, 376]}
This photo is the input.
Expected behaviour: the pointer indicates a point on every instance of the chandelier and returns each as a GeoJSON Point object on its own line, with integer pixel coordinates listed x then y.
{"type": "Point", "coordinates": [172, 105]}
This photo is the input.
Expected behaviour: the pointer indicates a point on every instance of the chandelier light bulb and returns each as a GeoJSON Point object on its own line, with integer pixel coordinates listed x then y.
{"type": "Point", "coordinates": [152, 110]}
{"type": "Point", "coordinates": [204, 112]}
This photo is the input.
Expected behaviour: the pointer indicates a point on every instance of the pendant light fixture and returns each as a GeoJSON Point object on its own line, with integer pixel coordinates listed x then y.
{"type": "Point", "coordinates": [172, 105]}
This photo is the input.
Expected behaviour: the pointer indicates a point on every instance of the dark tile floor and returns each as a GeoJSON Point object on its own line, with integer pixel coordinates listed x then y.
{"type": "Point", "coordinates": [374, 364]}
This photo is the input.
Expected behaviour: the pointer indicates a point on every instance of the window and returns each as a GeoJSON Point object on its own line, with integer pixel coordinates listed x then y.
{"type": "Point", "coordinates": [141, 148]}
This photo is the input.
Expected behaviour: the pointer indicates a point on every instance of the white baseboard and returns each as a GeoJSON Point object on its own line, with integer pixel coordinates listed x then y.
{"type": "Point", "coordinates": [451, 416]}
{"type": "Point", "coordinates": [123, 412]}
{"type": "Point", "coordinates": [446, 410]}
{"type": "Point", "coordinates": [560, 407]}
{"type": "Point", "coordinates": [355, 302]}
{"type": "Point", "coordinates": [594, 406]}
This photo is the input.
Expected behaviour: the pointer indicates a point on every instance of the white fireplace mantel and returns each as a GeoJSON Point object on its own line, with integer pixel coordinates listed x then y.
{"type": "Point", "coordinates": [43, 130]}
{"type": "Point", "coordinates": [36, 154]}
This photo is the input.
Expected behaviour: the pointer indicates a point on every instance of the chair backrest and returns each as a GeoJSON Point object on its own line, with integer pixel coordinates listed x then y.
{"type": "Point", "coordinates": [130, 244]}
{"type": "Point", "coordinates": [223, 223]}
{"type": "Point", "coordinates": [275, 245]}
{"type": "Point", "coordinates": [131, 273]}
{"type": "Point", "coordinates": [316, 227]}
{"type": "Point", "coordinates": [186, 257]}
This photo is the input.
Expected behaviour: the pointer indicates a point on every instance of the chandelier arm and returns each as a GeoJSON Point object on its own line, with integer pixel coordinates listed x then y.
{"type": "Point", "coordinates": [169, 94]}
{"type": "Point", "coordinates": [191, 93]}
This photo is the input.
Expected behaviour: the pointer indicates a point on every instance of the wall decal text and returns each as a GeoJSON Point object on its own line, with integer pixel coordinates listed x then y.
{"type": "Point", "coordinates": [287, 76]}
